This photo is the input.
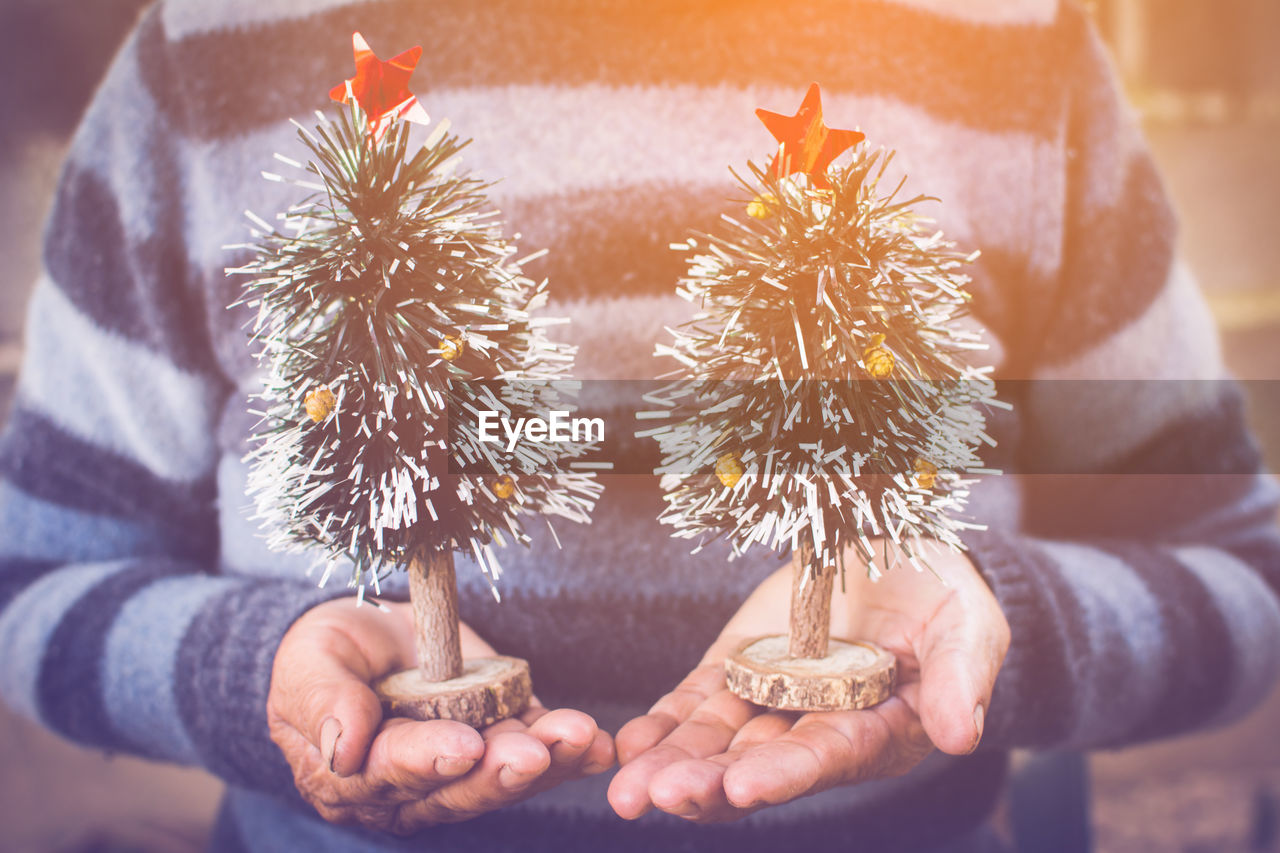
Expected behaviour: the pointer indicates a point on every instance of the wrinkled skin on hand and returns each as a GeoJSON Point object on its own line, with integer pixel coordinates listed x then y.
{"type": "Point", "coordinates": [704, 754]}
{"type": "Point", "coordinates": [401, 775]}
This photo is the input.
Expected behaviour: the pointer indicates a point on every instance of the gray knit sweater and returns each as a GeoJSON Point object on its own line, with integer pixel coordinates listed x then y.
{"type": "Point", "coordinates": [1132, 546]}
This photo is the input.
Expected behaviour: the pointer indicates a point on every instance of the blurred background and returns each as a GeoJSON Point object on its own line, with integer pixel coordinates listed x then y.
{"type": "Point", "coordinates": [1205, 77]}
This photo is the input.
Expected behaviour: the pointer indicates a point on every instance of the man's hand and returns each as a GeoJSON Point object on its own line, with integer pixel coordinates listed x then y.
{"type": "Point", "coordinates": [401, 775]}
{"type": "Point", "coordinates": [704, 754]}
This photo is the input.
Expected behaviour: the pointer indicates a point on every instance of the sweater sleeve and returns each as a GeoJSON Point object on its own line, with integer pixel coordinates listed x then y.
{"type": "Point", "coordinates": [119, 629]}
{"type": "Point", "coordinates": [1142, 585]}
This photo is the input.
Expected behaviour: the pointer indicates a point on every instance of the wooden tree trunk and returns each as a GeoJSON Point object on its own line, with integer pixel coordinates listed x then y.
{"type": "Point", "coordinates": [807, 670]}
{"type": "Point", "coordinates": [810, 604]}
{"type": "Point", "coordinates": [433, 591]}
{"type": "Point", "coordinates": [478, 692]}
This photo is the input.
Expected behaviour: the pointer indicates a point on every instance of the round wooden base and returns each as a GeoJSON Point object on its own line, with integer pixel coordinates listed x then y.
{"type": "Point", "coordinates": [489, 690]}
{"type": "Point", "coordinates": [853, 675]}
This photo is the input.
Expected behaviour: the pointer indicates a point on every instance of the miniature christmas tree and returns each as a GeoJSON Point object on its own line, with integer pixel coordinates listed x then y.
{"type": "Point", "coordinates": [824, 400]}
{"type": "Point", "coordinates": [391, 313]}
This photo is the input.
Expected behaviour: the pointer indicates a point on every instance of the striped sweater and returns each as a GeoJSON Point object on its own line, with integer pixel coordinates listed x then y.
{"type": "Point", "coordinates": [1132, 546]}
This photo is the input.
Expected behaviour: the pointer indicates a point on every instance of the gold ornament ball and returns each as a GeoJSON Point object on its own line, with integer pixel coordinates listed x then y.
{"type": "Point", "coordinates": [878, 360]}
{"type": "Point", "coordinates": [319, 404]}
{"type": "Point", "coordinates": [504, 487]}
{"type": "Point", "coordinates": [761, 207]}
{"type": "Point", "coordinates": [451, 347]}
{"type": "Point", "coordinates": [926, 473]}
{"type": "Point", "coordinates": [729, 470]}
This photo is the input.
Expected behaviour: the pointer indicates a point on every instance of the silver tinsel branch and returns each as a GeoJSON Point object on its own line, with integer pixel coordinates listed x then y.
{"type": "Point", "coordinates": [823, 395]}
{"type": "Point", "coordinates": [391, 312]}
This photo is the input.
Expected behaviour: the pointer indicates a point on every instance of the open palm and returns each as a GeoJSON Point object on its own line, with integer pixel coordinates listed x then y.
{"type": "Point", "coordinates": [356, 766]}
{"type": "Point", "coordinates": [704, 754]}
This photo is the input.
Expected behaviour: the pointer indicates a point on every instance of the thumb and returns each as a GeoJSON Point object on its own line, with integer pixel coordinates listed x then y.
{"type": "Point", "coordinates": [320, 687]}
{"type": "Point", "coordinates": [344, 715]}
{"type": "Point", "coordinates": [957, 675]}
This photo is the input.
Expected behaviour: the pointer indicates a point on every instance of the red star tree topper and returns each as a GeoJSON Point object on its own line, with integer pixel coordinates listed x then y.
{"type": "Point", "coordinates": [381, 87]}
{"type": "Point", "coordinates": [805, 144]}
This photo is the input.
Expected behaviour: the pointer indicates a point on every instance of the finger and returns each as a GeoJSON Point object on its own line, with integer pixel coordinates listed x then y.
{"type": "Point", "coordinates": [333, 709]}
{"type": "Point", "coordinates": [643, 733]}
{"type": "Point", "coordinates": [577, 747]}
{"type": "Point", "coordinates": [347, 732]}
{"type": "Point", "coordinates": [640, 735]}
{"type": "Point", "coordinates": [410, 759]}
{"type": "Point", "coordinates": [708, 731]}
{"type": "Point", "coordinates": [958, 668]}
{"type": "Point", "coordinates": [573, 738]}
{"type": "Point", "coordinates": [322, 691]}
{"type": "Point", "coordinates": [712, 726]}
{"type": "Point", "coordinates": [953, 700]}
{"type": "Point", "coordinates": [600, 756]}
{"type": "Point", "coordinates": [693, 790]}
{"type": "Point", "coordinates": [762, 729]}
{"type": "Point", "coordinates": [567, 734]}
{"type": "Point", "coordinates": [820, 751]}
{"type": "Point", "coordinates": [512, 763]}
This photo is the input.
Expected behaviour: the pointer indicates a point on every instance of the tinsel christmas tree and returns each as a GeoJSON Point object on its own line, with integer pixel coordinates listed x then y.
{"type": "Point", "coordinates": [390, 312]}
{"type": "Point", "coordinates": [824, 399]}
